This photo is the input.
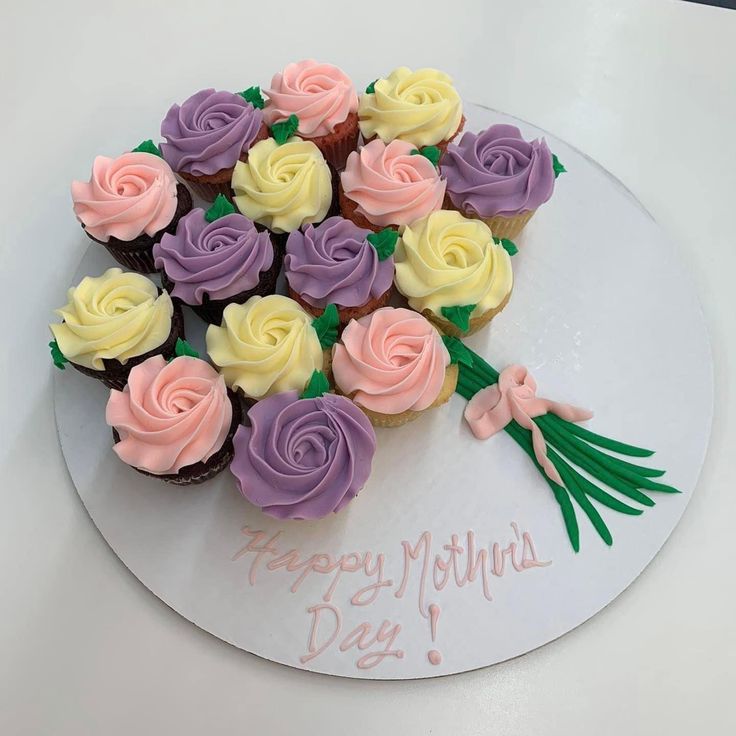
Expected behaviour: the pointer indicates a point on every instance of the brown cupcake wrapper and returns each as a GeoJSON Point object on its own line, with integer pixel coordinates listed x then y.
{"type": "Point", "coordinates": [208, 186]}
{"type": "Point", "coordinates": [345, 314]}
{"type": "Point", "coordinates": [200, 472]}
{"type": "Point", "coordinates": [349, 210]}
{"type": "Point", "coordinates": [442, 145]}
{"type": "Point", "coordinates": [116, 373]}
{"type": "Point", "coordinates": [338, 145]}
{"type": "Point", "coordinates": [137, 254]}
{"type": "Point", "coordinates": [211, 309]}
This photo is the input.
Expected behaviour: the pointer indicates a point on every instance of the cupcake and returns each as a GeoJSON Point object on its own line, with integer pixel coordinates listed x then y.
{"type": "Point", "coordinates": [269, 345]}
{"type": "Point", "coordinates": [208, 134]}
{"type": "Point", "coordinates": [340, 263]}
{"type": "Point", "coordinates": [499, 177]}
{"type": "Point", "coordinates": [216, 258]}
{"type": "Point", "coordinates": [174, 420]}
{"type": "Point", "coordinates": [283, 186]}
{"type": "Point", "coordinates": [389, 185]}
{"type": "Point", "coordinates": [303, 458]}
{"type": "Point", "coordinates": [421, 107]}
{"type": "Point", "coordinates": [114, 322]}
{"type": "Point", "coordinates": [325, 103]}
{"type": "Point", "coordinates": [451, 270]}
{"type": "Point", "coordinates": [394, 365]}
{"type": "Point", "coordinates": [129, 203]}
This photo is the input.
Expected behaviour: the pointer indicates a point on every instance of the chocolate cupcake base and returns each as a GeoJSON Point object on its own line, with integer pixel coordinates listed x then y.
{"type": "Point", "coordinates": [211, 309]}
{"type": "Point", "coordinates": [338, 145]}
{"type": "Point", "coordinates": [115, 374]}
{"type": "Point", "coordinates": [345, 314]}
{"type": "Point", "coordinates": [137, 254]}
{"type": "Point", "coordinates": [199, 472]}
{"type": "Point", "coordinates": [349, 210]}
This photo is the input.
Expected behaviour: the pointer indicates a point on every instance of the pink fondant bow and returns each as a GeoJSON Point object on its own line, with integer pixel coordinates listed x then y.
{"type": "Point", "coordinates": [514, 397]}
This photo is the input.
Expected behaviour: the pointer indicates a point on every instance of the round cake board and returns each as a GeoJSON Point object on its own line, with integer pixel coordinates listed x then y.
{"type": "Point", "coordinates": [454, 556]}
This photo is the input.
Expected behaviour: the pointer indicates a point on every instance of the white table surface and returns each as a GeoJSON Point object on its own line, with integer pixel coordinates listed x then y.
{"type": "Point", "coordinates": [644, 87]}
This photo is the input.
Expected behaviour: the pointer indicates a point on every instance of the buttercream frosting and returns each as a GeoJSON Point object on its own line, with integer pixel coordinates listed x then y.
{"type": "Point", "coordinates": [334, 263]}
{"type": "Point", "coordinates": [170, 415]}
{"type": "Point", "coordinates": [320, 95]}
{"type": "Point", "coordinates": [390, 185]}
{"type": "Point", "coordinates": [303, 458]}
{"type": "Point", "coordinates": [497, 172]}
{"type": "Point", "coordinates": [390, 361]}
{"type": "Point", "coordinates": [220, 258]}
{"type": "Point", "coordinates": [283, 186]}
{"type": "Point", "coordinates": [265, 346]}
{"type": "Point", "coordinates": [126, 196]}
{"type": "Point", "coordinates": [446, 260]}
{"type": "Point", "coordinates": [209, 131]}
{"type": "Point", "coordinates": [116, 315]}
{"type": "Point", "coordinates": [420, 106]}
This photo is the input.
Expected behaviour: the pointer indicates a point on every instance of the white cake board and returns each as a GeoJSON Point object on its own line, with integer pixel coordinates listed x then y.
{"type": "Point", "coordinates": [606, 317]}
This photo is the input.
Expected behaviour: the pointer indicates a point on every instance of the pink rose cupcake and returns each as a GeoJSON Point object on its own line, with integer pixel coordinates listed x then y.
{"type": "Point", "coordinates": [389, 185]}
{"type": "Point", "coordinates": [175, 421]}
{"type": "Point", "coordinates": [325, 102]}
{"type": "Point", "coordinates": [129, 203]}
{"type": "Point", "coordinates": [393, 365]}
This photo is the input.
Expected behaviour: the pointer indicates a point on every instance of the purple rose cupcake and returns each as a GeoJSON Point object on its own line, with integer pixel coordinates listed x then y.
{"type": "Point", "coordinates": [499, 177]}
{"type": "Point", "coordinates": [208, 134]}
{"type": "Point", "coordinates": [339, 263]}
{"type": "Point", "coordinates": [303, 458]}
{"type": "Point", "coordinates": [216, 258]}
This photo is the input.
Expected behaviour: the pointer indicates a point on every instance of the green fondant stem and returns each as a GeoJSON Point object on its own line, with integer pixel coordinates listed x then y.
{"type": "Point", "coordinates": [606, 443]}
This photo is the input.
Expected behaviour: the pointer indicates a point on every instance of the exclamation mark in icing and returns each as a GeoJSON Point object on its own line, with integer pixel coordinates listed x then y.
{"type": "Point", "coordinates": [433, 655]}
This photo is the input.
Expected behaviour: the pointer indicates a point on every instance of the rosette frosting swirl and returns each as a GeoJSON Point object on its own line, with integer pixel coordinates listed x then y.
{"type": "Point", "coordinates": [391, 361]}
{"type": "Point", "coordinates": [209, 131]}
{"type": "Point", "coordinates": [170, 415]}
{"type": "Point", "coordinates": [334, 263]}
{"type": "Point", "coordinates": [220, 258]}
{"type": "Point", "coordinates": [390, 185]}
{"type": "Point", "coordinates": [126, 196]}
{"type": "Point", "coordinates": [117, 315]}
{"type": "Point", "coordinates": [497, 172]}
{"type": "Point", "coordinates": [303, 458]}
{"type": "Point", "coordinates": [447, 260]}
{"type": "Point", "coordinates": [420, 106]}
{"type": "Point", "coordinates": [320, 95]}
{"type": "Point", "coordinates": [265, 346]}
{"type": "Point", "coordinates": [283, 186]}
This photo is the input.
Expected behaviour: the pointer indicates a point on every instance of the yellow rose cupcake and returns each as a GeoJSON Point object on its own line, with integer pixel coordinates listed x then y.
{"type": "Point", "coordinates": [283, 186]}
{"type": "Point", "coordinates": [270, 344]}
{"type": "Point", "coordinates": [421, 107]}
{"type": "Point", "coordinates": [452, 270]}
{"type": "Point", "coordinates": [114, 322]}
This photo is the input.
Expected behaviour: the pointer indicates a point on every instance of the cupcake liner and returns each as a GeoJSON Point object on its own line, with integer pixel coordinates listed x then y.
{"type": "Point", "coordinates": [349, 210]}
{"type": "Point", "coordinates": [508, 227]}
{"type": "Point", "coordinates": [208, 186]}
{"type": "Point", "coordinates": [211, 309]}
{"type": "Point", "coordinates": [116, 373]}
{"type": "Point", "coordinates": [476, 323]}
{"type": "Point", "coordinates": [442, 145]}
{"type": "Point", "coordinates": [338, 145]}
{"type": "Point", "coordinates": [397, 420]}
{"type": "Point", "coordinates": [200, 472]}
{"type": "Point", "coordinates": [137, 254]}
{"type": "Point", "coordinates": [345, 314]}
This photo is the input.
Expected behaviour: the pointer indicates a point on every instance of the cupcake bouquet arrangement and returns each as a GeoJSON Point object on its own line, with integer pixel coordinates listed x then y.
{"type": "Point", "coordinates": [394, 229]}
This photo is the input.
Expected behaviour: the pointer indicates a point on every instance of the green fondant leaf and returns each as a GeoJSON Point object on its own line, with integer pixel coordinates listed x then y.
{"type": "Point", "coordinates": [148, 147]}
{"type": "Point", "coordinates": [459, 316]}
{"type": "Point", "coordinates": [282, 131]}
{"type": "Point", "coordinates": [508, 245]}
{"type": "Point", "coordinates": [326, 326]}
{"type": "Point", "coordinates": [432, 153]}
{"type": "Point", "coordinates": [458, 352]}
{"type": "Point", "coordinates": [557, 167]}
{"type": "Point", "coordinates": [182, 348]}
{"type": "Point", "coordinates": [220, 207]}
{"type": "Point", "coordinates": [371, 88]}
{"type": "Point", "coordinates": [254, 96]}
{"type": "Point", "coordinates": [317, 385]}
{"type": "Point", "coordinates": [57, 356]}
{"type": "Point", "coordinates": [384, 241]}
